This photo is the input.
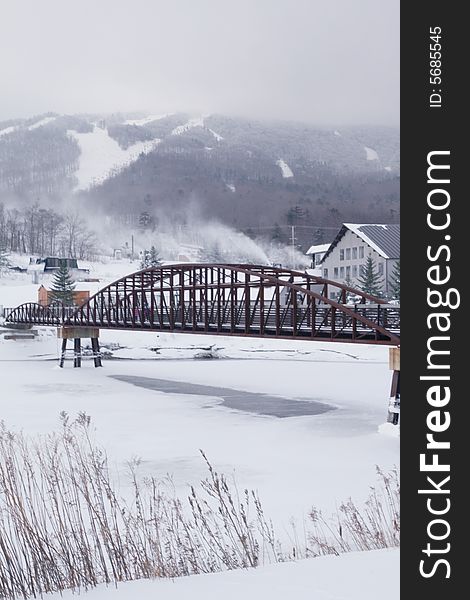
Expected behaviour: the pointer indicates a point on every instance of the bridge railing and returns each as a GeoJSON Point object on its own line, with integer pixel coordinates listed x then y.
{"type": "Point", "coordinates": [5, 311]}
{"type": "Point", "coordinates": [266, 318]}
{"type": "Point", "coordinates": [234, 299]}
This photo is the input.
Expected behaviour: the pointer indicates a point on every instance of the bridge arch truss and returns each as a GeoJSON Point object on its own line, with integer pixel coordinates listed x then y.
{"type": "Point", "coordinates": [227, 299]}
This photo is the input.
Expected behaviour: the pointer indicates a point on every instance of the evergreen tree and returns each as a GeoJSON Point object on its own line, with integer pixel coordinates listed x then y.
{"type": "Point", "coordinates": [278, 236]}
{"type": "Point", "coordinates": [395, 283]}
{"type": "Point", "coordinates": [371, 282]}
{"type": "Point", "coordinates": [4, 261]}
{"type": "Point", "coordinates": [150, 258]}
{"type": "Point", "coordinates": [154, 258]}
{"type": "Point", "coordinates": [349, 295]}
{"type": "Point", "coordinates": [295, 215]}
{"type": "Point", "coordinates": [145, 259]}
{"type": "Point", "coordinates": [62, 285]}
{"type": "Point", "coordinates": [145, 220]}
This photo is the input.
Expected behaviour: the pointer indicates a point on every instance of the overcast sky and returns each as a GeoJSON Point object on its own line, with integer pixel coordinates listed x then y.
{"type": "Point", "coordinates": [321, 61]}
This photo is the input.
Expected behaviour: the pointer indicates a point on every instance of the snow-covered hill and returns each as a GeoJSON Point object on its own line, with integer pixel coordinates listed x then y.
{"type": "Point", "coordinates": [293, 142]}
{"type": "Point", "coordinates": [101, 156]}
{"type": "Point", "coordinates": [276, 174]}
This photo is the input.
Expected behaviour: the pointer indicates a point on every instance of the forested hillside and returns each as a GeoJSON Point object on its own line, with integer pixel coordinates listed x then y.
{"type": "Point", "coordinates": [260, 177]}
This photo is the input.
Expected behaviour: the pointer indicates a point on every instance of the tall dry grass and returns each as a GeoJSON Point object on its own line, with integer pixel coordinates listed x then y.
{"type": "Point", "coordinates": [64, 524]}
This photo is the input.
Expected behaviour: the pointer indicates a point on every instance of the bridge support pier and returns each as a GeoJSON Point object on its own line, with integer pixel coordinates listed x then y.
{"type": "Point", "coordinates": [77, 334]}
{"type": "Point", "coordinates": [95, 346]}
{"type": "Point", "coordinates": [394, 402]}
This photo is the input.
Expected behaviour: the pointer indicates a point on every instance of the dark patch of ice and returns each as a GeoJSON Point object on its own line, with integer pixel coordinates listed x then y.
{"type": "Point", "coordinates": [261, 404]}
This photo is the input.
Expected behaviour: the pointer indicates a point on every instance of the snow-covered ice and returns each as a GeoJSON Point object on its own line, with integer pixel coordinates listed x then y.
{"type": "Point", "coordinates": [389, 429]}
{"type": "Point", "coordinates": [294, 463]}
{"type": "Point", "coordinates": [371, 154]}
{"type": "Point", "coordinates": [101, 156]}
{"type": "Point", "coordinates": [354, 576]}
{"type": "Point", "coordinates": [285, 169]}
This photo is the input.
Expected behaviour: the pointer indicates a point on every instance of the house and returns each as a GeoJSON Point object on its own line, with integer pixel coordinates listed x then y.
{"type": "Point", "coordinates": [51, 264]}
{"type": "Point", "coordinates": [317, 253]}
{"type": "Point", "coordinates": [80, 295]}
{"type": "Point", "coordinates": [347, 254]}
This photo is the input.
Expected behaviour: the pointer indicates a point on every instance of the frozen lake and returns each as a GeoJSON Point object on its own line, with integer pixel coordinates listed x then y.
{"type": "Point", "coordinates": [164, 409]}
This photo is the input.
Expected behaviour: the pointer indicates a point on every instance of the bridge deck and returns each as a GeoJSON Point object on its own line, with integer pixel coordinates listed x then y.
{"type": "Point", "coordinates": [227, 300]}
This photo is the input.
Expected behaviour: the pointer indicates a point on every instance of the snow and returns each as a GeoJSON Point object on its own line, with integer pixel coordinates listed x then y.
{"type": "Point", "coordinates": [338, 449]}
{"type": "Point", "coordinates": [194, 122]}
{"type": "Point", "coordinates": [294, 463]}
{"type": "Point", "coordinates": [218, 137]}
{"type": "Point", "coordinates": [337, 133]}
{"type": "Point", "coordinates": [147, 120]}
{"type": "Point", "coordinates": [80, 286]}
{"type": "Point", "coordinates": [231, 187]}
{"type": "Point", "coordinates": [39, 123]}
{"type": "Point", "coordinates": [101, 156]}
{"type": "Point", "coordinates": [42, 122]}
{"type": "Point", "coordinates": [7, 130]}
{"type": "Point", "coordinates": [36, 267]}
{"type": "Point", "coordinates": [389, 429]}
{"type": "Point", "coordinates": [354, 576]}
{"type": "Point", "coordinates": [318, 248]}
{"type": "Point", "coordinates": [371, 154]}
{"type": "Point", "coordinates": [285, 169]}
{"type": "Point", "coordinates": [388, 168]}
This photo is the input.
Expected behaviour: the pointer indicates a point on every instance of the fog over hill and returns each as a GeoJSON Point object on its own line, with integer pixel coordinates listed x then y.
{"type": "Point", "coordinates": [148, 170]}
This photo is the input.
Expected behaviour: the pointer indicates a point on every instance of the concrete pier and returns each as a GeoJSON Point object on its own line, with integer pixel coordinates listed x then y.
{"type": "Point", "coordinates": [77, 334]}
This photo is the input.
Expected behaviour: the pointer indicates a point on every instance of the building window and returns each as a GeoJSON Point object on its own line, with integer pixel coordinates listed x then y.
{"type": "Point", "coordinates": [341, 272]}
{"type": "Point", "coordinates": [381, 268]}
{"type": "Point", "coordinates": [354, 252]}
{"type": "Point", "coordinates": [354, 271]}
{"type": "Point", "coordinates": [348, 253]}
{"type": "Point", "coordinates": [348, 272]}
{"type": "Point", "coordinates": [336, 273]}
{"type": "Point", "coordinates": [361, 251]}
{"type": "Point", "coordinates": [325, 273]}
{"type": "Point", "coordinates": [341, 255]}
{"type": "Point", "coordinates": [318, 258]}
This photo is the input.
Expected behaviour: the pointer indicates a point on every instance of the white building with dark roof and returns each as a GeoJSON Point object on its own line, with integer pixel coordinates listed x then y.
{"type": "Point", "coordinates": [317, 253]}
{"type": "Point", "coordinates": [347, 254]}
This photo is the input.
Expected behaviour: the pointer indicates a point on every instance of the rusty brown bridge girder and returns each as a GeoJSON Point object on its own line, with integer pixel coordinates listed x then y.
{"type": "Point", "coordinates": [228, 299]}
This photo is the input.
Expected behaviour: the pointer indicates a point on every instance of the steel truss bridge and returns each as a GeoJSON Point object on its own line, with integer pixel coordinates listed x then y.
{"type": "Point", "coordinates": [228, 299]}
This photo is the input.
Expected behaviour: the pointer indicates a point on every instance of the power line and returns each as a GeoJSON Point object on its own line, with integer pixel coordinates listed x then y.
{"type": "Point", "coordinates": [296, 226]}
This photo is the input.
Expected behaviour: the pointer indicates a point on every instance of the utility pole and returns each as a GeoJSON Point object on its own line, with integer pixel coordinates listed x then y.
{"type": "Point", "coordinates": [132, 246]}
{"type": "Point", "coordinates": [293, 245]}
